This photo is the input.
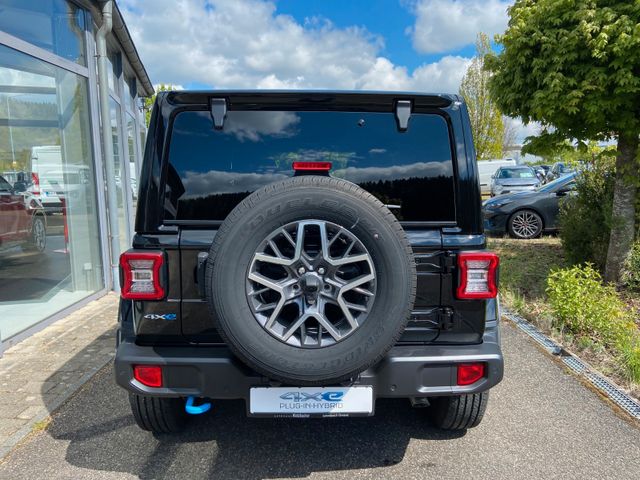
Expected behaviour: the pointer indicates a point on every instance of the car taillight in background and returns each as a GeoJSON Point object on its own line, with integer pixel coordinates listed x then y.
{"type": "Point", "coordinates": [142, 273]}
{"type": "Point", "coordinates": [478, 275]}
{"type": "Point", "coordinates": [36, 183]}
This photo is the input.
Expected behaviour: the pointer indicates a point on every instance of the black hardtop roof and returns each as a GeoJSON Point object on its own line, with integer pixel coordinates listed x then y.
{"type": "Point", "coordinates": [308, 99]}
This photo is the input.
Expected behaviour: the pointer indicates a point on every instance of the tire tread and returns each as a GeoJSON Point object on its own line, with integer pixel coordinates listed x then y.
{"type": "Point", "coordinates": [459, 412]}
{"type": "Point", "coordinates": [158, 415]}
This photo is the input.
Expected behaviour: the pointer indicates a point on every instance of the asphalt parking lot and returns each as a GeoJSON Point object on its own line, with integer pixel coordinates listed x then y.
{"type": "Point", "coordinates": [541, 423]}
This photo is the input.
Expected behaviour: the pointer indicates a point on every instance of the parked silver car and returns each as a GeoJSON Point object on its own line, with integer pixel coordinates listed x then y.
{"type": "Point", "coordinates": [514, 179]}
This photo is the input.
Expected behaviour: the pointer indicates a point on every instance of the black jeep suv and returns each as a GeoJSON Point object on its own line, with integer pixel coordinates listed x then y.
{"type": "Point", "coordinates": [308, 252]}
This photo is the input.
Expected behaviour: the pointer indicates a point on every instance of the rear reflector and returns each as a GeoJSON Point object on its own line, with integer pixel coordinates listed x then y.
{"type": "Point", "coordinates": [312, 166]}
{"type": "Point", "coordinates": [149, 375]}
{"type": "Point", "coordinates": [141, 272]}
{"type": "Point", "coordinates": [478, 275]}
{"type": "Point", "coordinates": [469, 373]}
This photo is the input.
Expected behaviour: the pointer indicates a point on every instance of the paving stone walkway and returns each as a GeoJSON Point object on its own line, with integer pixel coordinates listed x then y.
{"type": "Point", "coordinates": [38, 374]}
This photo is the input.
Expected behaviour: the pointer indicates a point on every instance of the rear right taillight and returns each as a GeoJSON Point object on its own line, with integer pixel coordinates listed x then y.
{"type": "Point", "coordinates": [478, 275]}
{"type": "Point", "coordinates": [142, 275]}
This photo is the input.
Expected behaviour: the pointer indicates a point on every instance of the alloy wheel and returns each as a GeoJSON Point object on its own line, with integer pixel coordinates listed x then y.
{"type": "Point", "coordinates": [311, 283]}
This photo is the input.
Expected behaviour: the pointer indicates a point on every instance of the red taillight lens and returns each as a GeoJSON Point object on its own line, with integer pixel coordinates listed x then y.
{"type": "Point", "coordinates": [469, 373]}
{"type": "Point", "coordinates": [142, 272]}
{"type": "Point", "coordinates": [312, 166]}
{"type": "Point", "coordinates": [478, 275]}
{"type": "Point", "coordinates": [36, 183]}
{"type": "Point", "coordinates": [149, 375]}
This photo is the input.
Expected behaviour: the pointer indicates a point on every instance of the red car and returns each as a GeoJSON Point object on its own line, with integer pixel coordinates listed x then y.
{"type": "Point", "coordinates": [22, 220]}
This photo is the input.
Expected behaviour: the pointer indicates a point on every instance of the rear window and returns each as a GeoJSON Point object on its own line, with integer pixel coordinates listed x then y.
{"type": "Point", "coordinates": [211, 171]}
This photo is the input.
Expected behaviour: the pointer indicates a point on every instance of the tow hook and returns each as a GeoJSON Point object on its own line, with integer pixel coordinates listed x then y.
{"type": "Point", "coordinates": [192, 409]}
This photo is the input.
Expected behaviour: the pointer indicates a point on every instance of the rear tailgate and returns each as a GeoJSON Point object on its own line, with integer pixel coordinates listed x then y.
{"type": "Point", "coordinates": [437, 317]}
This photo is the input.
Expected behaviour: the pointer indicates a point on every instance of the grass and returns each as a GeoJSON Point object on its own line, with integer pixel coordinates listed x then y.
{"type": "Point", "coordinates": [524, 268]}
{"type": "Point", "coordinates": [41, 425]}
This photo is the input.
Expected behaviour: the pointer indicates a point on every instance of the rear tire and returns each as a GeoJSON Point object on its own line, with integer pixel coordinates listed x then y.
{"type": "Point", "coordinates": [158, 415]}
{"type": "Point", "coordinates": [38, 239]}
{"type": "Point", "coordinates": [458, 412]}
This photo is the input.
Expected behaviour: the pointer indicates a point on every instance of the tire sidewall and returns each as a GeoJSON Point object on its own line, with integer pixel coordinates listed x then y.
{"type": "Point", "coordinates": [269, 355]}
{"type": "Point", "coordinates": [38, 219]}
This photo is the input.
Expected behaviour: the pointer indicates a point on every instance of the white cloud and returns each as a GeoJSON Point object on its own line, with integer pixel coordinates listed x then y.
{"type": "Point", "coordinates": [246, 44]}
{"type": "Point", "coordinates": [523, 131]}
{"type": "Point", "coordinates": [445, 25]}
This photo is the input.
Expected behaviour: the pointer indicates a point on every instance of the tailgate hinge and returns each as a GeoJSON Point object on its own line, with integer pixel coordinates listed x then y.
{"type": "Point", "coordinates": [200, 270]}
{"type": "Point", "coordinates": [446, 319]}
{"type": "Point", "coordinates": [448, 262]}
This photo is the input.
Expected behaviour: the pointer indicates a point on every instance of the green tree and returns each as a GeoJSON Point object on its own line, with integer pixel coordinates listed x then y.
{"type": "Point", "coordinates": [486, 119]}
{"type": "Point", "coordinates": [573, 65]}
{"type": "Point", "coordinates": [149, 101]}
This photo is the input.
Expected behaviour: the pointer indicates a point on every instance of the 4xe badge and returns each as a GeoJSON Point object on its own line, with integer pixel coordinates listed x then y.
{"type": "Point", "coordinates": [316, 397]}
{"type": "Point", "coordinates": [157, 316]}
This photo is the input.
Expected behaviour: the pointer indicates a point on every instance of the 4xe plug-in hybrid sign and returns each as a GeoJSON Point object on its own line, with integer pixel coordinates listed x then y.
{"type": "Point", "coordinates": [322, 401]}
{"type": "Point", "coordinates": [299, 396]}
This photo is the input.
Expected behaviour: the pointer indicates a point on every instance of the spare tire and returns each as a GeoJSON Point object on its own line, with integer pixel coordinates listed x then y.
{"type": "Point", "coordinates": [310, 280]}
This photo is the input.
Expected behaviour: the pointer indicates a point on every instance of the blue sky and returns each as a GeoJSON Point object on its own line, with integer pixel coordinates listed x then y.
{"type": "Point", "coordinates": [418, 45]}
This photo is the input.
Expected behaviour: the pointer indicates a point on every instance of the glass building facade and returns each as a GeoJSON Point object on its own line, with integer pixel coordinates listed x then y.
{"type": "Point", "coordinates": [54, 248]}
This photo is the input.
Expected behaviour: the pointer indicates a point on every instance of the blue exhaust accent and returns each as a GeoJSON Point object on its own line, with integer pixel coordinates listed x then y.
{"type": "Point", "coordinates": [192, 409]}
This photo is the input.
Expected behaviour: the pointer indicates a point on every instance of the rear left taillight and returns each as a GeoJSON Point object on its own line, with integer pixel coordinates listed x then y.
{"type": "Point", "coordinates": [478, 275]}
{"type": "Point", "coordinates": [142, 275]}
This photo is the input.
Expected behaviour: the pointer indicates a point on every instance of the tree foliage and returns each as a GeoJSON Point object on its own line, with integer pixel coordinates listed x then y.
{"type": "Point", "coordinates": [486, 119]}
{"type": "Point", "coordinates": [573, 65]}
{"type": "Point", "coordinates": [149, 101]}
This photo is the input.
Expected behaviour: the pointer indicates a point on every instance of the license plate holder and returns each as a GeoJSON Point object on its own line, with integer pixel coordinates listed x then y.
{"type": "Point", "coordinates": [304, 402]}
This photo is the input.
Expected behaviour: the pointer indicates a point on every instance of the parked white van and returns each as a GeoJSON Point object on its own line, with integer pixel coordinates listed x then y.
{"type": "Point", "coordinates": [54, 181]}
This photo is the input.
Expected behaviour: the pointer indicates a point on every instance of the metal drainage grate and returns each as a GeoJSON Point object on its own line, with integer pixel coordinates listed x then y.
{"type": "Point", "coordinates": [608, 388]}
{"type": "Point", "coordinates": [574, 363]}
{"type": "Point", "coordinates": [620, 398]}
{"type": "Point", "coordinates": [533, 332]}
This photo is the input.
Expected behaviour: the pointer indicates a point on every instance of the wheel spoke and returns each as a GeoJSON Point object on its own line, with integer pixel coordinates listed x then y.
{"type": "Point", "coordinates": [263, 257]}
{"type": "Point", "coordinates": [355, 306]}
{"type": "Point", "coordinates": [351, 259]}
{"type": "Point", "coordinates": [275, 249]}
{"type": "Point", "coordinates": [329, 328]}
{"type": "Point", "coordinates": [356, 282]}
{"type": "Point", "coordinates": [267, 282]}
{"type": "Point", "coordinates": [274, 315]}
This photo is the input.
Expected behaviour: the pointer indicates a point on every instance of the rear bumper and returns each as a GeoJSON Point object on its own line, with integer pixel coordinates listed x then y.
{"type": "Point", "coordinates": [406, 371]}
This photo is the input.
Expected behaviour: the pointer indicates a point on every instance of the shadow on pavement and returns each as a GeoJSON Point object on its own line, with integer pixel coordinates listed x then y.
{"type": "Point", "coordinates": [100, 433]}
